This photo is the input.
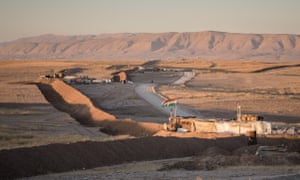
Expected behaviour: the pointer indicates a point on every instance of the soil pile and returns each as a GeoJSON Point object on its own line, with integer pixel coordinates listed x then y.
{"type": "Point", "coordinates": [67, 99]}
{"type": "Point", "coordinates": [209, 154]}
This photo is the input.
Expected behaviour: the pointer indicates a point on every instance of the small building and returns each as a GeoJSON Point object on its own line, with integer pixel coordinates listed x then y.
{"type": "Point", "coordinates": [119, 77]}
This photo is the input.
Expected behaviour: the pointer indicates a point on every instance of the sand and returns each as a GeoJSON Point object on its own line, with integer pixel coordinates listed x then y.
{"type": "Point", "coordinates": [88, 128]}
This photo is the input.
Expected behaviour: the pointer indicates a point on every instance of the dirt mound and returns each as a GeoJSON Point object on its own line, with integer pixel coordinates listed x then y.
{"type": "Point", "coordinates": [25, 162]}
{"type": "Point", "coordinates": [213, 151]}
{"type": "Point", "coordinates": [222, 155]}
{"type": "Point", "coordinates": [67, 99]}
{"type": "Point", "coordinates": [129, 127]}
{"type": "Point", "coordinates": [245, 159]}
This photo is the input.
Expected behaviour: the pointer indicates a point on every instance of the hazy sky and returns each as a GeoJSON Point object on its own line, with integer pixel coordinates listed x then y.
{"type": "Point", "coordinates": [22, 18]}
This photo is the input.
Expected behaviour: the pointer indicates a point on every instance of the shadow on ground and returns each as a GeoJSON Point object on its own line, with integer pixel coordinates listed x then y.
{"type": "Point", "coordinates": [26, 162]}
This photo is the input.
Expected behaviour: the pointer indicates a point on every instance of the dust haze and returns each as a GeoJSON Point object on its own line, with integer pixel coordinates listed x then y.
{"type": "Point", "coordinates": [93, 124]}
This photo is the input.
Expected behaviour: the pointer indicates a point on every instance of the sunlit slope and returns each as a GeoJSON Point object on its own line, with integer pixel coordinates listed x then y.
{"type": "Point", "coordinates": [203, 45]}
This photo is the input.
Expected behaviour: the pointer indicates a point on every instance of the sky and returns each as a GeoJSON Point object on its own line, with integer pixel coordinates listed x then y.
{"type": "Point", "coordinates": [25, 18]}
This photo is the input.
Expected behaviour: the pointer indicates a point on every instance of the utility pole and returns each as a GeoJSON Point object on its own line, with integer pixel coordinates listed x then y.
{"type": "Point", "coordinates": [238, 112]}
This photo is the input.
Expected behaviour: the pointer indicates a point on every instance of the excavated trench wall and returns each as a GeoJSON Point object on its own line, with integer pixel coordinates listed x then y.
{"type": "Point", "coordinates": [68, 99]}
{"type": "Point", "coordinates": [53, 158]}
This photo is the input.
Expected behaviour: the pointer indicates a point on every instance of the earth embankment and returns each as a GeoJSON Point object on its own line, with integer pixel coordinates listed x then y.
{"type": "Point", "coordinates": [25, 162]}
{"type": "Point", "coordinates": [67, 99]}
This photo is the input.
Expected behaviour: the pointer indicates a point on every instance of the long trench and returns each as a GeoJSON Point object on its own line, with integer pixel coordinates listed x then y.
{"type": "Point", "coordinates": [55, 158]}
{"type": "Point", "coordinates": [68, 99]}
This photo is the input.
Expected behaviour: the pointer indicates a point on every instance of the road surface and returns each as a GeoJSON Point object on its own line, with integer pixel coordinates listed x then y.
{"type": "Point", "coordinates": [186, 77]}
{"type": "Point", "coordinates": [147, 92]}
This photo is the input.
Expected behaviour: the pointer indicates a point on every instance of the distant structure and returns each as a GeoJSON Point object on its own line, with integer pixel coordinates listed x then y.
{"type": "Point", "coordinates": [246, 117]}
{"type": "Point", "coordinates": [53, 74]}
{"type": "Point", "coordinates": [120, 77]}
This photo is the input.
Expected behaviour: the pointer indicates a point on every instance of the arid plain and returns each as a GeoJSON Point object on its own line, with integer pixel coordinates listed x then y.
{"type": "Point", "coordinates": [38, 129]}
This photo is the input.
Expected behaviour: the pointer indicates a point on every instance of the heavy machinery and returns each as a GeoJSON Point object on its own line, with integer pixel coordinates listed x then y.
{"type": "Point", "coordinates": [185, 124]}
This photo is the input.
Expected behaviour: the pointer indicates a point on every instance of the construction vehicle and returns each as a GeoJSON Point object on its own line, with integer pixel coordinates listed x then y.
{"type": "Point", "coordinates": [183, 123]}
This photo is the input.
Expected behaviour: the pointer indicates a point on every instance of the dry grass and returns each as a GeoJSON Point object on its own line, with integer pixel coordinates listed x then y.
{"type": "Point", "coordinates": [26, 118]}
{"type": "Point", "coordinates": [242, 66]}
{"type": "Point", "coordinates": [214, 94]}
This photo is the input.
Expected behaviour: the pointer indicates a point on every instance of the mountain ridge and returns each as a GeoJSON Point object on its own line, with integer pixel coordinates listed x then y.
{"type": "Point", "coordinates": [169, 45]}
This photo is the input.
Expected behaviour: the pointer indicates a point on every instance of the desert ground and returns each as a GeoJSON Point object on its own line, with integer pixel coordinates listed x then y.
{"type": "Point", "coordinates": [52, 130]}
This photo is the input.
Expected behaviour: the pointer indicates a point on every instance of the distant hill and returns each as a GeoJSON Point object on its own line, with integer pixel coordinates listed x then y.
{"type": "Point", "coordinates": [203, 45]}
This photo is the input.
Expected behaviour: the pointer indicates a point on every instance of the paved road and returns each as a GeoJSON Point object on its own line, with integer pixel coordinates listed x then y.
{"type": "Point", "coordinates": [147, 92]}
{"type": "Point", "coordinates": [186, 77]}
